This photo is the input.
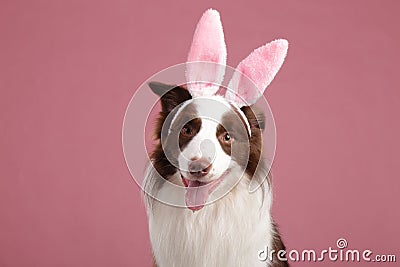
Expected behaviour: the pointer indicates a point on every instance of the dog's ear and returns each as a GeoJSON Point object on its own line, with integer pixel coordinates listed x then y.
{"type": "Point", "coordinates": [255, 117]}
{"type": "Point", "coordinates": [170, 95]}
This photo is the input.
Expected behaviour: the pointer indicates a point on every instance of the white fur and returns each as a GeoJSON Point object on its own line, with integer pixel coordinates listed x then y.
{"type": "Point", "coordinates": [228, 232]}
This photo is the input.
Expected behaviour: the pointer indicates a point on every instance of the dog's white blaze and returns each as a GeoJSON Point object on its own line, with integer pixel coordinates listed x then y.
{"type": "Point", "coordinates": [205, 144]}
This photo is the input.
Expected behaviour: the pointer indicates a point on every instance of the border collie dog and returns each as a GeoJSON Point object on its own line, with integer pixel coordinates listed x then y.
{"type": "Point", "coordinates": [208, 153]}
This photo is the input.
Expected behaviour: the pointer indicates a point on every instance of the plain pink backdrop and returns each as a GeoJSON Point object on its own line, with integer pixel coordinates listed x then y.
{"type": "Point", "coordinates": [69, 68]}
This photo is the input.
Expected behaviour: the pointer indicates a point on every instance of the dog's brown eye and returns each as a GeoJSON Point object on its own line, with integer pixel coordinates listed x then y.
{"type": "Point", "coordinates": [186, 130]}
{"type": "Point", "coordinates": [227, 137]}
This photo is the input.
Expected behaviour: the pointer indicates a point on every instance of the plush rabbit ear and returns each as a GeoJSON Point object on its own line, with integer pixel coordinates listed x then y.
{"type": "Point", "coordinates": [256, 72]}
{"type": "Point", "coordinates": [207, 57]}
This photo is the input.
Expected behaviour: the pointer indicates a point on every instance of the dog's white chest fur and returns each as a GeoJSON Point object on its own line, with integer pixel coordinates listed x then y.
{"type": "Point", "coordinates": [228, 232]}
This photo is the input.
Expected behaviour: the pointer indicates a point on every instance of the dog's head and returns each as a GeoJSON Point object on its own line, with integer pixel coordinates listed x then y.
{"type": "Point", "coordinates": [208, 133]}
{"type": "Point", "coordinates": [205, 140]}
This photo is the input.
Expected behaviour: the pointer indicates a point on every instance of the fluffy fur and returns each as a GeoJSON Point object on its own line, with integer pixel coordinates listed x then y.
{"type": "Point", "coordinates": [227, 233]}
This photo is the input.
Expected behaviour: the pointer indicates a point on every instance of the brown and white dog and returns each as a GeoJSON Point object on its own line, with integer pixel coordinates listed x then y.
{"type": "Point", "coordinates": [201, 211]}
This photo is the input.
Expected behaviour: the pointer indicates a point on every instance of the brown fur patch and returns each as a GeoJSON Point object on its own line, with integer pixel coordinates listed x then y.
{"type": "Point", "coordinates": [169, 101]}
{"type": "Point", "coordinates": [225, 144]}
{"type": "Point", "coordinates": [186, 125]}
{"type": "Point", "coordinates": [233, 124]}
{"type": "Point", "coordinates": [188, 131]}
{"type": "Point", "coordinates": [255, 140]}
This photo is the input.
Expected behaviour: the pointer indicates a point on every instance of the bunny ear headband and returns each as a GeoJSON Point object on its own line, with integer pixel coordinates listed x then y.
{"type": "Point", "coordinates": [251, 76]}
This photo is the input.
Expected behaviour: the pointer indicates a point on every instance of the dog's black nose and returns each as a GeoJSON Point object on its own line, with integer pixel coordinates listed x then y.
{"type": "Point", "coordinates": [199, 167]}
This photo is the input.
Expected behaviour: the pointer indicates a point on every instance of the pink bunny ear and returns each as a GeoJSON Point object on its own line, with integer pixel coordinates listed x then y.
{"type": "Point", "coordinates": [256, 72]}
{"type": "Point", "coordinates": [209, 51]}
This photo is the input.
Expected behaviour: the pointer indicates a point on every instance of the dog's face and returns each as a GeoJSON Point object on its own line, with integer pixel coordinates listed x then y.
{"type": "Point", "coordinates": [210, 130]}
{"type": "Point", "coordinates": [206, 140]}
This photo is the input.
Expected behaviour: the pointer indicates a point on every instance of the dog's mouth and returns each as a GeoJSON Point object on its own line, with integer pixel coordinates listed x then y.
{"type": "Point", "coordinates": [197, 192]}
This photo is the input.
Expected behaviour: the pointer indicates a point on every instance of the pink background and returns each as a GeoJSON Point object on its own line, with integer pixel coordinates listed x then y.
{"type": "Point", "coordinates": [69, 68]}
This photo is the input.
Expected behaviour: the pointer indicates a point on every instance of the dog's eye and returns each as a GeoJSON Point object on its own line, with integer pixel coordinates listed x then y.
{"type": "Point", "coordinates": [227, 137]}
{"type": "Point", "coordinates": [186, 130]}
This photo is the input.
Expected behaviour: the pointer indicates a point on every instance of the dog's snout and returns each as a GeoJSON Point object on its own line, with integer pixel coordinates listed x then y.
{"type": "Point", "coordinates": [200, 167]}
